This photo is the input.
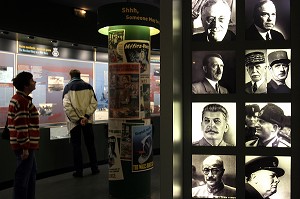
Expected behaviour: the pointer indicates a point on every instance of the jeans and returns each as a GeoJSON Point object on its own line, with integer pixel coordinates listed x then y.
{"type": "Point", "coordinates": [88, 136]}
{"type": "Point", "coordinates": [25, 176]}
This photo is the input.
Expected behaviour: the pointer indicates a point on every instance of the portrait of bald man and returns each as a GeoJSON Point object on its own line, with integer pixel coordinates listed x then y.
{"type": "Point", "coordinates": [267, 20]}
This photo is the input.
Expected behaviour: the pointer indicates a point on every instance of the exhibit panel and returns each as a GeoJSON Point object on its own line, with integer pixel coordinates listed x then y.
{"type": "Point", "coordinates": [257, 75]}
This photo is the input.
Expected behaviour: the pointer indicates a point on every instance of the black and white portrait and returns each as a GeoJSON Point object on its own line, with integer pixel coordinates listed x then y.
{"type": "Point", "coordinates": [213, 124]}
{"type": "Point", "coordinates": [213, 72]}
{"type": "Point", "coordinates": [256, 71]}
{"type": "Point", "coordinates": [268, 124]}
{"type": "Point", "coordinates": [214, 176]}
{"type": "Point", "coordinates": [279, 71]}
{"type": "Point", "coordinates": [267, 177]}
{"type": "Point", "coordinates": [267, 20]}
{"type": "Point", "coordinates": [214, 20]}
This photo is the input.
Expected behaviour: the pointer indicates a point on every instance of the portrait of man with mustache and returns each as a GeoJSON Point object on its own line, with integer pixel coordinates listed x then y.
{"type": "Point", "coordinates": [213, 170]}
{"type": "Point", "coordinates": [279, 65]}
{"type": "Point", "coordinates": [214, 125]}
{"type": "Point", "coordinates": [256, 66]}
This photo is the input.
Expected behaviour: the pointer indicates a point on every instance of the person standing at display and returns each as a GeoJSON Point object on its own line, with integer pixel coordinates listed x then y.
{"type": "Point", "coordinates": [213, 68]}
{"type": "Point", "coordinates": [279, 69]}
{"type": "Point", "coordinates": [80, 103]}
{"type": "Point", "coordinates": [256, 68]}
{"type": "Point", "coordinates": [23, 124]}
{"type": "Point", "coordinates": [215, 17]}
{"type": "Point", "coordinates": [264, 16]}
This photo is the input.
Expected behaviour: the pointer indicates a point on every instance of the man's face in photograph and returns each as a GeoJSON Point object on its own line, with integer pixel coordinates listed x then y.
{"type": "Point", "coordinates": [279, 71]}
{"type": "Point", "coordinates": [265, 17]}
{"type": "Point", "coordinates": [267, 182]}
{"type": "Point", "coordinates": [214, 125]}
{"type": "Point", "coordinates": [214, 68]}
{"type": "Point", "coordinates": [256, 72]}
{"type": "Point", "coordinates": [215, 20]}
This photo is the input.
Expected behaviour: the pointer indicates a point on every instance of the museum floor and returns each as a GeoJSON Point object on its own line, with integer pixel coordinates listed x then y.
{"type": "Point", "coordinates": [89, 187]}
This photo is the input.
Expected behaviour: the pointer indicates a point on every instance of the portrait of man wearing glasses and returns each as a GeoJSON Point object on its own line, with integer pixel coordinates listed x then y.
{"type": "Point", "coordinates": [215, 18]}
{"type": "Point", "coordinates": [214, 187]}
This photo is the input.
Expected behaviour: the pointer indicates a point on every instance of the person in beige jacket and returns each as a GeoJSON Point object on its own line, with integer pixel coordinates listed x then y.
{"type": "Point", "coordinates": [80, 103]}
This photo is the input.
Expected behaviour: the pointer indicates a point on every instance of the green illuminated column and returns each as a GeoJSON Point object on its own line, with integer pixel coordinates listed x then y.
{"type": "Point", "coordinates": [129, 127]}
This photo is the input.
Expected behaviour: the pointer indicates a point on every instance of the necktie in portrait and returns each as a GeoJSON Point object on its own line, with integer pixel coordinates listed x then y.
{"type": "Point", "coordinates": [217, 88]}
{"type": "Point", "coordinates": [254, 87]}
{"type": "Point", "coordinates": [268, 36]}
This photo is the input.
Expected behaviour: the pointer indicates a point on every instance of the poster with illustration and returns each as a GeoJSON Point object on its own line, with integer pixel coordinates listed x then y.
{"type": "Point", "coordinates": [142, 156]}
{"type": "Point", "coordinates": [124, 90]}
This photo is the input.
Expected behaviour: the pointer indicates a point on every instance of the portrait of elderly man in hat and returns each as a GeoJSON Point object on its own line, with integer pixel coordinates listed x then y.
{"type": "Point", "coordinates": [269, 123]}
{"type": "Point", "coordinates": [252, 111]}
{"type": "Point", "coordinates": [263, 174]}
{"type": "Point", "coordinates": [279, 65]}
{"type": "Point", "coordinates": [255, 64]}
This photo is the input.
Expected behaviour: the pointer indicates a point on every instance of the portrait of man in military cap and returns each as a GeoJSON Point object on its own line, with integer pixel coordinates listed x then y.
{"type": "Point", "coordinates": [251, 111]}
{"type": "Point", "coordinates": [267, 176]}
{"type": "Point", "coordinates": [213, 124]}
{"type": "Point", "coordinates": [256, 76]}
{"type": "Point", "coordinates": [279, 71]}
{"type": "Point", "coordinates": [270, 122]}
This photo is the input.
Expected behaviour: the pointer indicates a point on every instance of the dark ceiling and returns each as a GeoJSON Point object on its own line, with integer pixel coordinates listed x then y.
{"type": "Point", "coordinates": [38, 19]}
{"type": "Point", "coordinates": [92, 5]}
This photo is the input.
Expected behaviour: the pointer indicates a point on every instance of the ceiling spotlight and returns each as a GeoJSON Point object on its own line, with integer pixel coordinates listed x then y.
{"type": "Point", "coordinates": [74, 44]}
{"type": "Point", "coordinates": [53, 41]}
{"type": "Point", "coordinates": [30, 37]}
{"type": "Point", "coordinates": [80, 12]}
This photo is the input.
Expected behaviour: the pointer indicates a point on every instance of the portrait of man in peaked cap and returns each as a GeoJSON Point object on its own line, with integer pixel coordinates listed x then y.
{"type": "Point", "coordinates": [267, 176]}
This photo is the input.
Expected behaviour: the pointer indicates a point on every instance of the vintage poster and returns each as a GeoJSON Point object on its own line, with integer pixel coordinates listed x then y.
{"type": "Point", "coordinates": [124, 91]}
{"type": "Point", "coordinates": [142, 156]}
{"type": "Point", "coordinates": [115, 168]}
{"type": "Point", "coordinates": [136, 51]}
{"type": "Point", "coordinates": [114, 38]}
{"type": "Point", "coordinates": [126, 140]}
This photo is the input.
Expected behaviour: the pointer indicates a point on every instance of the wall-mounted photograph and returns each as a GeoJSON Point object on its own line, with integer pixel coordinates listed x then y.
{"type": "Point", "coordinates": [213, 176]}
{"type": "Point", "coordinates": [268, 124]}
{"type": "Point", "coordinates": [267, 20]}
{"type": "Point", "coordinates": [267, 177]}
{"type": "Point", "coordinates": [213, 72]}
{"type": "Point", "coordinates": [214, 20]}
{"type": "Point", "coordinates": [213, 124]}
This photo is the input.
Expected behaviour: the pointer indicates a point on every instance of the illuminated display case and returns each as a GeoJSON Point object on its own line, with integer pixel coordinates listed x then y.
{"type": "Point", "coordinates": [50, 68]}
